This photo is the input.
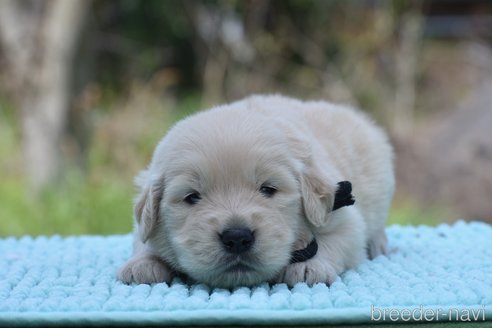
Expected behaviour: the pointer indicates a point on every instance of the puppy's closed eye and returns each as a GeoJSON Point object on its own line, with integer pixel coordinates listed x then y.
{"type": "Point", "coordinates": [192, 198]}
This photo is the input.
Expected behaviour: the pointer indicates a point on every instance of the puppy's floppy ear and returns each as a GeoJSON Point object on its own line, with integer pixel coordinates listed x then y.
{"type": "Point", "coordinates": [317, 196]}
{"type": "Point", "coordinates": [320, 192]}
{"type": "Point", "coordinates": [320, 196]}
{"type": "Point", "coordinates": [147, 206]}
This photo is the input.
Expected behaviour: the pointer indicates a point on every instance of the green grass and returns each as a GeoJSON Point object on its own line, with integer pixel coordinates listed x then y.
{"type": "Point", "coordinates": [98, 201]}
{"type": "Point", "coordinates": [77, 207]}
{"type": "Point", "coordinates": [407, 212]}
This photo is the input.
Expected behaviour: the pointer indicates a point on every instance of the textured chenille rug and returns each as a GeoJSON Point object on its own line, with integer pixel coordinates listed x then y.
{"type": "Point", "coordinates": [439, 273]}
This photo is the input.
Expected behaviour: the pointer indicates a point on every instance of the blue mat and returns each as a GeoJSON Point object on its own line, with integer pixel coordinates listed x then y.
{"type": "Point", "coordinates": [71, 281]}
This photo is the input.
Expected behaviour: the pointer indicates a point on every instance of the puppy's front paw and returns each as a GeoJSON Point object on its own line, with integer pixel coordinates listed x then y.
{"type": "Point", "coordinates": [145, 270]}
{"type": "Point", "coordinates": [311, 272]}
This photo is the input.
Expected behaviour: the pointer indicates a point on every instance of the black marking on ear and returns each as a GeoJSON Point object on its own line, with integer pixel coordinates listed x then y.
{"type": "Point", "coordinates": [343, 195]}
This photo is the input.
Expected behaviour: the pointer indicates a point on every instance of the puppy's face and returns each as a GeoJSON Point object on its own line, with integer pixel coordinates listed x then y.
{"type": "Point", "coordinates": [226, 198]}
{"type": "Point", "coordinates": [225, 202]}
{"type": "Point", "coordinates": [230, 207]}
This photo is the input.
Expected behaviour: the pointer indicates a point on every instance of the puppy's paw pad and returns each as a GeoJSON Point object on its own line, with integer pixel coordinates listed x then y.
{"type": "Point", "coordinates": [145, 271]}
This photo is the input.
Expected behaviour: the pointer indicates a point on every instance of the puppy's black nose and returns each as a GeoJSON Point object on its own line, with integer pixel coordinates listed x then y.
{"type": "Point", "coordinates": [237, 240]}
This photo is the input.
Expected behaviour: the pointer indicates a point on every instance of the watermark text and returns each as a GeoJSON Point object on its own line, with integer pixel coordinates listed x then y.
{"type": "Point", "coordinates": [422, 313]}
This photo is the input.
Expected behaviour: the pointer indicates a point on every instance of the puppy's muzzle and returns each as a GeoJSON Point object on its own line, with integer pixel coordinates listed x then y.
{"type": "Point", "coordinates": [237, 240]}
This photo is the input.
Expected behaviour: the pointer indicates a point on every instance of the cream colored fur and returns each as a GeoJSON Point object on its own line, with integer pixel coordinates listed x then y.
{"type": "Point", "coordinates": [303, 149]}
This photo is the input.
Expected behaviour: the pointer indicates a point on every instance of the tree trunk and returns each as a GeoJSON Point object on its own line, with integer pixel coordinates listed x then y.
{"type": "Point", "coordinates": [406, 70]}
{"type": "Point", "coordinates": [39, 39]}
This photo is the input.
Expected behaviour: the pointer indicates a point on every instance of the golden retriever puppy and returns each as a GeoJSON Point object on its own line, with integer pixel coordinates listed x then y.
{"type": "Point", "coordinates": [263, 189]}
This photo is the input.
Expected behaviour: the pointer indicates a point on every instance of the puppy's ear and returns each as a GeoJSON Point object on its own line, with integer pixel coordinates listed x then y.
{"type": "Point", "coordinates": [320, 196]}
{"type": "Point", "coordinates": [317, 196]}
{"type": "Point", "coordinates": [147, 208]}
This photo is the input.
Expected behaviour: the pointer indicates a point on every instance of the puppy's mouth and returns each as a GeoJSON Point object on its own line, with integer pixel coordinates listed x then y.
{"type": "Point", "coordinates": [239, 267]}
{"type": "Point", "coordinates": [239, 264]}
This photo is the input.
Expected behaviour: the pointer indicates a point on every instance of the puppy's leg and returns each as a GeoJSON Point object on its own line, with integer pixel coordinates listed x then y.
{"type": "Point", "coordinates": [341, 246]}
{"type": "Point", "coordinates": [144, 268]}
{"type": "Point", "coordinates": [377, 244]}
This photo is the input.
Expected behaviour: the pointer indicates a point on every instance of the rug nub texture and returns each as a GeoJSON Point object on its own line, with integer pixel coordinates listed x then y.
{"type": "Point", "coordinates": [72, 281]}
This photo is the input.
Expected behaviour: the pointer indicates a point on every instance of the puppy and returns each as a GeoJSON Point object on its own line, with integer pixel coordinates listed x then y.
{"type": "Point", "coordinates": [261, 190]}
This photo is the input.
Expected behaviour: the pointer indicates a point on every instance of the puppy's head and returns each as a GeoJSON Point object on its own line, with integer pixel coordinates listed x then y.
{"type": "Point", "coordinates": [225, 199]}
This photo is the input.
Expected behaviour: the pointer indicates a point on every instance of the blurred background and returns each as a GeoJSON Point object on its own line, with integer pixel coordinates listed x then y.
{"type": "Point", "coordinates": [87, 89]}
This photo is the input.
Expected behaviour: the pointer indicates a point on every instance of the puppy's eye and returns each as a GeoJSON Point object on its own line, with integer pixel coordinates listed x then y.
{"type": "Point", "coordinates": [192, 198]}
{"type": "Point", "coordinates": [268, 191]}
